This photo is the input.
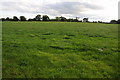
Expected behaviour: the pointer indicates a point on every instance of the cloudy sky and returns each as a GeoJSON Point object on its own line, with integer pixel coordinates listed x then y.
{"type": "Point", "coordinates": [104, 10]}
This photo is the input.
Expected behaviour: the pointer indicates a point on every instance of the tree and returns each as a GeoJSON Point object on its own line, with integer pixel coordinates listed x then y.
{"type": "Point", "coordinates": [99, 21]}
{"type": "Point", "coordinates": [57, 18]}
{"type": "Point", "coordinates": [118, 22]}
{"type": "Point", "coordinates": [45, 18]}
{"type": "Point", "coordinates": [53, 20]}
{"type": "Point", "coordinates": [70, 20]}
{"type": "Point", "coordinates": [74, 20]}
{"type": "Point", "coordinates": [77, 19]}
{"type": "Point", "coordinates": [15, 18]}
{"type": "Point", "coordinates": [7, 19]}
{"type": "Point", "coordinates": [63, 19]}
{"type": "Point", "coordinates": [113, 21]}
{"type": "Point", "coordinates": [38, 18]}
{"type": "Point", "coordinates": [94, 21]}
{"type": "Point", "coordinates": [3, 19]}
{"type": "Point", "coordinates": [31, 19]}
{"type": "Point", "coordinates": [85, 20]}
{"type": "Point", "coordinates": [22, 18]}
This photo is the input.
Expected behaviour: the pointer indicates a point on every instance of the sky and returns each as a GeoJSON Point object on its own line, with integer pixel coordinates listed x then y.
{"type": "Point", "coordinates": [95, 10]}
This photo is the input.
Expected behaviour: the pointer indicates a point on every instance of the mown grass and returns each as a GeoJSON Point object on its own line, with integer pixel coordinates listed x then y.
{"type": "Point", "coordinates": [60, 50]}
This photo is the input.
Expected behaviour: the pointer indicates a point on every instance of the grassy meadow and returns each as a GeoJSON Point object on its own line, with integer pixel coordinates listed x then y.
{"type": "Point", "coordinates": [59, 50]}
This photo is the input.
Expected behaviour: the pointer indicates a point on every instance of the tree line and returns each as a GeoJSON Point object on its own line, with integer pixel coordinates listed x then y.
{"type": "Point", "coordinates": [61, 18]}
{"type": "Point", "coordinates": [39, 18]}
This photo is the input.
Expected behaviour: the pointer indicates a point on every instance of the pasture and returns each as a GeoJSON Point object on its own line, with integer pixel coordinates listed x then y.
{"type": "Point", "coordinates": [59, 50]}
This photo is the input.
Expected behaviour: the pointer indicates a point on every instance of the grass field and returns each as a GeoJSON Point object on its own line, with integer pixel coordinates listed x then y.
{"type": "Point", "coordinates": [60, 50]}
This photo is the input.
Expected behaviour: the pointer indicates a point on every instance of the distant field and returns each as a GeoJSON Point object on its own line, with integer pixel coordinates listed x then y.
{"type": "Point", "coordinates": [60, 50]}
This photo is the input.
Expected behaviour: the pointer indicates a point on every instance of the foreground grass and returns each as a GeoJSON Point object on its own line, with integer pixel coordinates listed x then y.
{"type": "Point", "coordinates": [60, 50]}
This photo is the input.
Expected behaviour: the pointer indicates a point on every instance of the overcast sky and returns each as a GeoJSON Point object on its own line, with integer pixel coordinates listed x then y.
{"type": "Point", "coordinates": [104, 10]}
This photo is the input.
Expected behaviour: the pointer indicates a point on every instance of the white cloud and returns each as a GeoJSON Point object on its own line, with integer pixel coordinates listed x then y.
{"type": "Point", "coordinates": [94, 9]}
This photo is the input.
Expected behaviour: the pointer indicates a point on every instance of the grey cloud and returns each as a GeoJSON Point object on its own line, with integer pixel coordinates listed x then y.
{"type": "Point", "coordinates": [72, 8]}
{"type": "Point", "coordinates": [20, 7]}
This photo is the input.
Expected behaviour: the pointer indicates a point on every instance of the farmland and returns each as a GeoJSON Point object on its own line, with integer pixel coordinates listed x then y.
{"type": "Point", "coordinates": [60, 50]}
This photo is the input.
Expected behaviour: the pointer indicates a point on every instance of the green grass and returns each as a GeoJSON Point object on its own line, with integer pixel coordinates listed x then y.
{"type": "Point", "coordinates": [60, 50]}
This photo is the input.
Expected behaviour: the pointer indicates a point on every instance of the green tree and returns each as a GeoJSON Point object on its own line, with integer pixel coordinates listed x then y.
{"type": "Point", "coordinates": [38, 18]}
{"type": "Point", "coordinates": [85, 20]}
{"type": "Point", "coordinates": [113, 21]}
{"type": "Point", "coordinates": [22, 18]}
{"type": "Point", "coordinates": [15, 18]}
{"type": "Point", "coordinates": [57, 18]}
{"type": "Point", "coordinates": [63, 19]}
{"type": "Point", "coordinates": [45, 18]}
{"type": "Point", "coordinates": [3, 19]}
{"type": "Point", "coordinates": [7, 19]}
{"type": "Point", "coordinates": [118, 21]}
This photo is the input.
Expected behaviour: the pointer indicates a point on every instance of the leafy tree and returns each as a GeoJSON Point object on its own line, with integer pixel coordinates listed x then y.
{"type": "Point", "coordinates": [118, 21]}
{"type": "Point", "coordinates": [57, 18]}
{"type": "Point", "coordinates": [80, 21]}
{"type": "Point", "coordinates": [31, 19]}
{"type": "Point", "coordinates": [3, 19]}
{"type": "Point", "coordinates": [22, 18]}
{"type": "Point", "coordinates": [99, 21]}
{"type": "Point", "coordinates": [38, 18]}
{"type": "Point", "coordinates": [15, 18]}
{"type": "Point", "coordinates": [7, 19]}
{"type": "Point", "coordinates": [76, 20]}
{"type": "Point", "coordinates": [45, 18]}
{"type": "Point", "coordinates": [70, 20]}
{"type": "Point", "coordinates": [85, 20]}
{"type": "Point", "coordinates": [113, 21]}
{"type": "Point", "coordinates": [94, 21]}
{"type": "Point", "coordinates": [63, 19]}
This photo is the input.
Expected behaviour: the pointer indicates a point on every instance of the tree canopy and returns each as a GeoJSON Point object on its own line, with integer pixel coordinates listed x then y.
{"type": "Point", "coordinates": [22, 18]}
{"type": "Point", "coordinates": [61, 18]}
